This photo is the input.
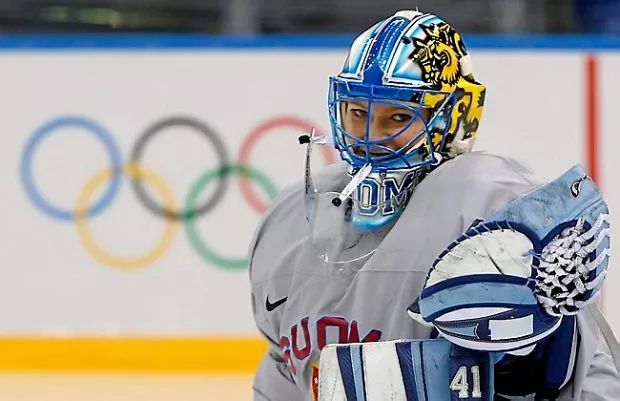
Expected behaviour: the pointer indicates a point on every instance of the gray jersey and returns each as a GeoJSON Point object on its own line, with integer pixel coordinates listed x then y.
{"type": "Point", "coordinates": [301, 303]}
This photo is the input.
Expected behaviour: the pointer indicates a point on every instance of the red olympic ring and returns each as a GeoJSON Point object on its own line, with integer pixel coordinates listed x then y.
{"type": "Point", "coordinates": [250, 141]}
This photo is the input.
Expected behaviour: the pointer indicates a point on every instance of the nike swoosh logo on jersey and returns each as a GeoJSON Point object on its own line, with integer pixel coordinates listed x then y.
{"type": "Point", "coordinates": [272, 306]}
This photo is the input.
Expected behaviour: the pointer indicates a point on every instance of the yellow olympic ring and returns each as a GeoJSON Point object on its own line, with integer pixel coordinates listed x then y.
{"type": "Point", "coordinates": [87, 240]}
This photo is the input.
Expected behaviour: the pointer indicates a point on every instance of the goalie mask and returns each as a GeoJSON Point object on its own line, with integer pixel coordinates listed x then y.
{"type": "Point", "coordinates": [405, 100]}
{"type": "Point", "coordinates": [507, 283]}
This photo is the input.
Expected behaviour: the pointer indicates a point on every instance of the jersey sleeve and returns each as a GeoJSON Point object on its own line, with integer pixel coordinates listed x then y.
{"type": "Point", "coordinates": [273, 381]}
{"type": "Point", "coordinates": [602, 382]}
{"type": "Point", "coordinates": [270, 241]}
{"type": "Point", "coordinates": [595, 377]}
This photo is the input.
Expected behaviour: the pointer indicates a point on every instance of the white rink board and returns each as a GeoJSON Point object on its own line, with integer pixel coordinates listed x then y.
{"type": "Point", "coordinates": [50, 284]}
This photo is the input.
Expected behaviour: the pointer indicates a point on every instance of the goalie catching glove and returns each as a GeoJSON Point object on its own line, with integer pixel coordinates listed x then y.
{"type": "Point", "coordinates": [507, 283]}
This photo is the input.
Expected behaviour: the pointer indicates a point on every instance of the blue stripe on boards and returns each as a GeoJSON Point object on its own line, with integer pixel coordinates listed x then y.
{"type": "Point", "coordinates": [181, 42]}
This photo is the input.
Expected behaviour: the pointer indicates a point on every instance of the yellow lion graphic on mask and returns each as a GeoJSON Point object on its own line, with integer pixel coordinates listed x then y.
{"type": "Point", "coordinates": [438, 55]}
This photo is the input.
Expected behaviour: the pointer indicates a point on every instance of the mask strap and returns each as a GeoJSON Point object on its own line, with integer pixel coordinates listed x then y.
{"type": "Point", "coordinates": [310, 140]}
{"type": "Point", "coordinates": [608, 334]}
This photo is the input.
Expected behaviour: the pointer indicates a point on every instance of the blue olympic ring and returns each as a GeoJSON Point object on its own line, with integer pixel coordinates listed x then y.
{"type": "Point", "coordinates": [47, 129]}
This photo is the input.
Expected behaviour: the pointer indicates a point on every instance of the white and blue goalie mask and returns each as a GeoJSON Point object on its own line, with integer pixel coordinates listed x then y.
{"type": "Point", "coordinates": [508, 281]}
{"type": "Point", "coordinates": [405, 100]}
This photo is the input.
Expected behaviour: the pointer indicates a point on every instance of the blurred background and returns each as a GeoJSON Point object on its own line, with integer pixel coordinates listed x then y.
{"type": "Point", "coordinates": [147, 298]}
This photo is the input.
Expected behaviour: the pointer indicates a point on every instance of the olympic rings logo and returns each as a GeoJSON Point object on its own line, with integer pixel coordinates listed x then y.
{"type": "Point", "coordinates": [87, 208]}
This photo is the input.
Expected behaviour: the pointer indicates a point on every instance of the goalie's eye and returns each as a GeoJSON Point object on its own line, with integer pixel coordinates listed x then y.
{"type": "Point", "coordinates": [401, 118]}
{"type": "Point", "coordinates": [358, 113]}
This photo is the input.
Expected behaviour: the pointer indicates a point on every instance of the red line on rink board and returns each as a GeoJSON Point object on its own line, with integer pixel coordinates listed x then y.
{"type": "Point", "coordinates": [591, 128]}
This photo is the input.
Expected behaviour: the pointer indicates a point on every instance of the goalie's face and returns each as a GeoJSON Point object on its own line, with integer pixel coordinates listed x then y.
{"type": "Point", "coordinates": [387, 126]}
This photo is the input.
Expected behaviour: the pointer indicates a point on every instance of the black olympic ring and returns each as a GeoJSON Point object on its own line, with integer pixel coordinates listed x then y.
{"type": "Point", "coordinates": [220, 151]}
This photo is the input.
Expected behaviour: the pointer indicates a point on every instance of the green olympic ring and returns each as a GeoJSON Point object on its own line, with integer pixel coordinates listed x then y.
{"type": "Point", "coordinates": [198, 244]}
